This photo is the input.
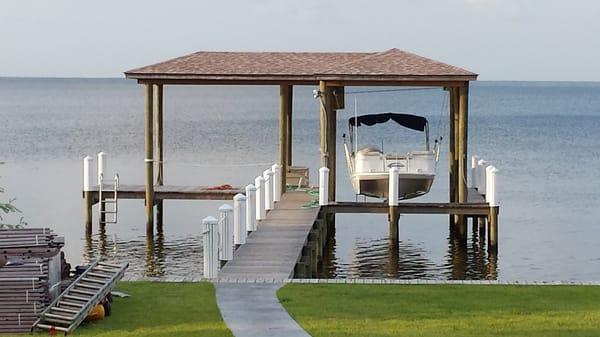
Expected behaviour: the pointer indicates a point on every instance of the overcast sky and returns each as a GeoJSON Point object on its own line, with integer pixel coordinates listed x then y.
{"type": "Point", "coordinates": [499, 39]}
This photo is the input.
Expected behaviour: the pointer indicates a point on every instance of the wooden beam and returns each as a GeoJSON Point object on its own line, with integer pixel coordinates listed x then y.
{"type": "Point", "coordinates": [289, 125]}
{"type": "Point", "coordinates": [158, 112]}
{"type": "Point", "coordinates": [284, 106]}
{"type": "Point", "coordinates": [149, 160]}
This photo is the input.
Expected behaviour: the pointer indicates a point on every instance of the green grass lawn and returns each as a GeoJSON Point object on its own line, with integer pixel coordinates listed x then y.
{"type": "Point", "coordinates": [160, 309]}
{"type": "Point", "coordinates": [443, 310]}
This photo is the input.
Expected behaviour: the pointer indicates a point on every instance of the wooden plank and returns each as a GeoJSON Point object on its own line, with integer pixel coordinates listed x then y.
{"type": "Point", "coordinates": [273, 250]}
{"type": "Point", "coordinates": [165, 192]}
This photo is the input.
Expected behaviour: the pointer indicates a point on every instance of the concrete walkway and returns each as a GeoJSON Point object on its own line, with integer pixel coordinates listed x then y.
{"type": "Point", "coordinates": [253, 310]}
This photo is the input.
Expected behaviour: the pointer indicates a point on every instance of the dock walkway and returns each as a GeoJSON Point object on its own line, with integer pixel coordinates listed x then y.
{"type": "Point", "coordinates": [271, 252]}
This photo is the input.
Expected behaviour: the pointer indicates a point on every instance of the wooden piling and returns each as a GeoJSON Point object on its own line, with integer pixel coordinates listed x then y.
{"type": "Point", "coordinates": [284, 131]}
{"type": "Point", "coordinates": [158, 111]}
{"type": "Point", "coordinates": [149, 160]}
{"type": "Point", "coordinates": [332, 141]}
{"type": "Point", "coordinates": [493, 229]}
{"type": "Point", "coordinates": [463, 112]}
{"type": "Point", "coordinates": [87, 212]}
{"type": "Point", "coordinates": [394, 221]}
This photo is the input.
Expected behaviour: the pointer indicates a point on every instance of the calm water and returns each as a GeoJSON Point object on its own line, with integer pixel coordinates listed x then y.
{"type": "Point", "coordinates": [542, 136]}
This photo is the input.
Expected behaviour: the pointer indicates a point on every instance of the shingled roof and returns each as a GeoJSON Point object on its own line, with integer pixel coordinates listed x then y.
{"type": "Point", "coordinates": [300, 67]}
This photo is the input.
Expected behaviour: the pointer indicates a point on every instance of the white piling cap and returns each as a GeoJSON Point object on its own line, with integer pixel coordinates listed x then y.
{"type": "Point", "coordinates": [238, 197]}
{"type": "Point", "coordinates": [268, 172]}
{"type": "Point", "coordinates": [259, 180]}
{"type": "Point", "coordinates": [225, 208]}
{"type": "Point", "coordinates": [88, 158]}
{"type": "Point", "coordinates": [324, 169]}
{"type": "Point", "coordinates": [209, 220]}
{"type": "Point", "coordinates": [250, 187]}
{"type": "Point", "coordinates": [482, 162]}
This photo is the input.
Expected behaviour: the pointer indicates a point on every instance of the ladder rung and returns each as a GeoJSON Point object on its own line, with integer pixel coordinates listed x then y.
{"type": "Point", "coordinates": [48, 327]}
{"type": "Point", "coordinates": [107, 270]}
{"type": "Point", "coordinates": [64, 310]}
{"type": "Point", "coordinates": [71, 304]}
{"type": "Point", "coordinates": [110, 265]}
{"type": "Point", "coordinates": [82, 292]}
{"type": "Point", "coordinates": [99, 275]}
{"type": "Point", "coordinates": [89, 286]}
{"type": "Point", "coordinates": [56, 320]}
{"type": "Point", "coordinates": [61, 317]}
{"type": "Point", "coordinates": [108, 212]}
{"type": "Point", "coordinates": [87, 279]}
{"type": "Point", "coordinates": [77, 298]}
{"type": "Point", "coordinates": [109, 201]}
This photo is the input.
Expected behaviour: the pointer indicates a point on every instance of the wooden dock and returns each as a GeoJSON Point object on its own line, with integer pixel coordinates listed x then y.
{"type": "Point", "coordinates": [171, 192]}
{"type": "Point", "coordinates": [272, 251]}
{"type": "Point", "coordinates": [475, 206]}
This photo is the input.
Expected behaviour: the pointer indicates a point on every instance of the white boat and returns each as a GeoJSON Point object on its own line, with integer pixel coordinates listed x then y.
{"type": "Point", "coordinates": [369, 166]}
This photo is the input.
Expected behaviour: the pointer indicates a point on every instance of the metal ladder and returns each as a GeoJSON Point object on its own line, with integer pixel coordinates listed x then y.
{"type": "Point", "coordinates": [108, 201]}
{"type": "Point", "coordinates": [72, 306]}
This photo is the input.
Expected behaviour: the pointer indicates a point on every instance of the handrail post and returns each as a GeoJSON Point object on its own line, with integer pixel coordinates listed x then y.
{"type": "Point", "coordinates": [210, 247]}
{"type": "Point", "coordinates": [87, 194]}
{"type": "Point", "coordinates": [239, 219]}
{"type": "Point", "coordinates": [323, 186]}
{"type": "Point", "coordinates": [261, 213]}
{"type": "Point", "coordinates": [268, 175]}
{"type": "Point", "coordinates": [277, 188]}
{"type": "Point", "coordinates": [393, 202]}
{"type": "Point", "coordinates": [101, 166]}
{"type": "Point", "coordinates": [225, 233]}
{"type": "Point", "coordinates": [250, 208]}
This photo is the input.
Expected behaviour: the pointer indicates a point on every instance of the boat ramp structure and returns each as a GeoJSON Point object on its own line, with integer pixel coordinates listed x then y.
{"type": "Point", "coordinates": [288, 240]}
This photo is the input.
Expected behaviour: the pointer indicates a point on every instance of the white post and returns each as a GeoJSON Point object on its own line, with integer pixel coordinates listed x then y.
{"type": "Point", "coordinates": [210, 249]}
{"type": "Point", "coordinates": [225, 233]}
{"type": "Point", "coordinates": [268, 175]}
{"type": "Point", "coordinates": [250, 208]}
{"type": "Point", "coordinates": [87, 173]}
{"type": "Point", "coordinates": [276, 168]}
{"type": "Point", "coordinates": [323, 186]}
{"type": "Point", "coordinates": [492, 195]}
{"type": "Point", "coordinates": [261, 213]}
{"type": "Point", "coordinates": [239, 219]}
{"type": "Point", "coordinates": [482, 172]}
{"type": "Point", "coordinates": [474, 166]}
{"type": "Point", "coordinates": [394, 186]}
{"type": "Point", "coordinates": [101, 165]}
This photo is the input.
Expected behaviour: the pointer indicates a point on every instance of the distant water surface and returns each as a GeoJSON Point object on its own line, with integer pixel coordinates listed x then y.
{"type": "Point", "coordinates": [542, 136]}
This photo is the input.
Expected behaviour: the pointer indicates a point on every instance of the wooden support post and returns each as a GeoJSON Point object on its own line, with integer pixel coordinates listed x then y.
{"type": "Point", "coordinates": [284, 137]}
{"type": "Point", "coordinates": [87, 195]}
{"type": "Point", "coordinates": [149, 160]}
{"type": "Point", "coordinates": [289, 114]}
{"type": "Point", "coordinates": [331, 141]}
{"type": "Point", "coordinates": [87, 209]}
{"type": "Point", "coordinates": [493, 229]}
{"type": "Point", "coordinates": [394, 220]}
{"type": "Point", "coordinates": [158, 111]}
{"type": "Point", "coordinates": [323, 119]}
{"type": "Point", "coordinates": [452, 159]}
{"type": "Point", "coordinates": [481, 226]}
{"type": "Point", "coordinates": [463, 112]}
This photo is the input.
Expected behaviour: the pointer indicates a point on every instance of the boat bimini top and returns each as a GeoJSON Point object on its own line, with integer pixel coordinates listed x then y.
{"type": "Point", "coordinates": [414, 122]}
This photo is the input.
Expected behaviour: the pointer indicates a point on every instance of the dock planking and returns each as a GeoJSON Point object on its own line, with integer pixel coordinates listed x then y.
{"type": "Point", "coordinates": [272, 251]}
{"type": "Point", "coordinates": [475, 205]}
{"type": "Point", "coordinates": [163, 192]}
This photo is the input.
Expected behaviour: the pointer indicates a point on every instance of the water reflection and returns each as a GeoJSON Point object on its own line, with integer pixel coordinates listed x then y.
{"type": "Point", "coordinates": [149, 256]}
{"type": "Point", "coordinates": [465, 259]}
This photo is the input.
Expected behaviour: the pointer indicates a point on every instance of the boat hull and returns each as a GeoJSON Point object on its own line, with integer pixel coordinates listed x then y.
{"type": "Point", "coordinates": [376, 185]}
